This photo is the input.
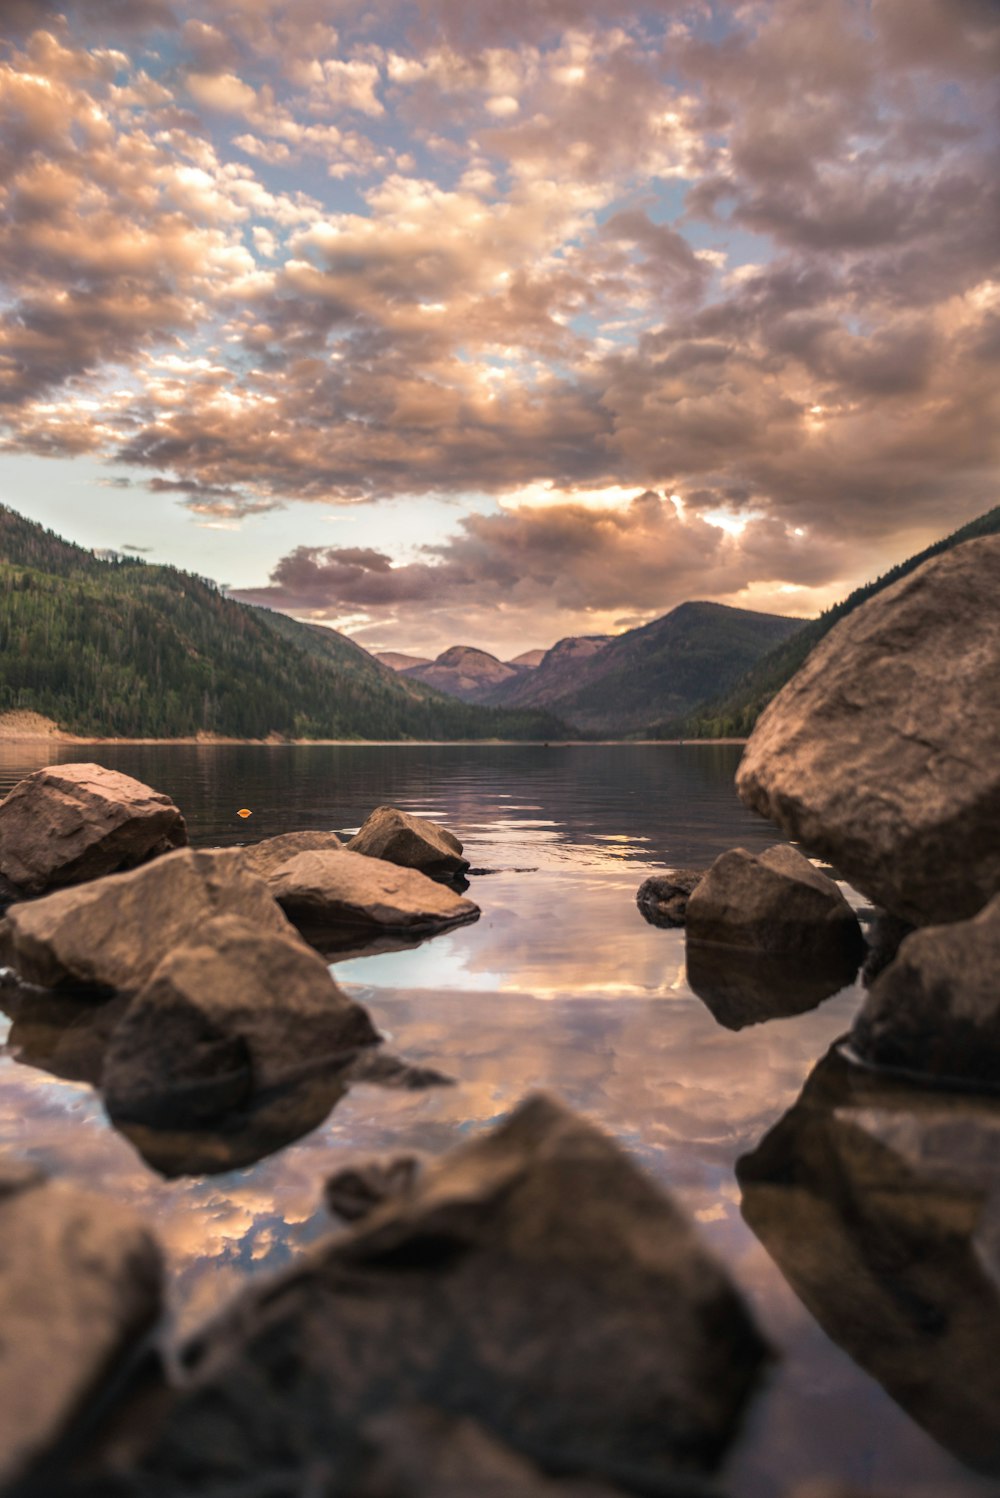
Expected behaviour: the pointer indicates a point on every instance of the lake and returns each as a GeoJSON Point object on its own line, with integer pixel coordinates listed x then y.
{"type": "Point", "coordinates": [561, 985]}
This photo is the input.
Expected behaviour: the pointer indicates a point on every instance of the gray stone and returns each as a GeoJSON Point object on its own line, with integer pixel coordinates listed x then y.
{"type": "Point", "coordinates": [354, 891]}
{"type": "Point", "coordinates": [80, 1283]}
{"type": "Point", "coordinates": [936, 1008]}
{"type": "Point", "coordinates": [881, 753]}
{"type": "Point", "coordinates": [412, 842]}
{"type": "Point", "coordinates": [114, 932]}
{"type": "Point", "coordinates": [264, 857]}
{"type": "Point", "coordinates": [663, 898]}
{"type": "Point", "coordinates": [773, 902]}
{"type": "Point", "coordinates": [70, 823]}
{"type": "Point", "coordinates": [228, 1014]}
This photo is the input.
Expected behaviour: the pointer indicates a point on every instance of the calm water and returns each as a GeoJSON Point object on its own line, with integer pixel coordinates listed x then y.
{"type": "Point", "coordinates": [560, 984]}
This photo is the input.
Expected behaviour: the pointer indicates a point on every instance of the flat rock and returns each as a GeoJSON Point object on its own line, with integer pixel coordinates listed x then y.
{"type": "Point", "coordinates": [663, 898]}
{"type": "Point", "coordinates": [264, 857]}
{"type": "Point", "coordinates": [533, 1280]}
{"type": "Point", "coordinates": [935, 1010]}
{"type": "Point", "coordinates": [70, 823]}
{"type": "Point", "coordinates": [773, 902]}
{"type": "Point", "coordinates": [228, 1014]}
{"type": "Point", "coordinates": [881, 752]}
{"type": "Point", "coordinates": [412, 842]}
{"type": "Point", "coordinates": [352, 890]}
{"type": "Point", "coordinates": [80, 1283]}
{"type": "Point", "coordinates": [114, 932]}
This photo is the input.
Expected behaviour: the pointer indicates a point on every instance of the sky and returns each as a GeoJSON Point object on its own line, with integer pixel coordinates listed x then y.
{"type": "Point", "coordinates": [489, 322]}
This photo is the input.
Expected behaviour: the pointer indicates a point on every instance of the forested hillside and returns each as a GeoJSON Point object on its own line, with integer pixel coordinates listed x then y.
{"type": "Point", "coordinates": [121, 648]}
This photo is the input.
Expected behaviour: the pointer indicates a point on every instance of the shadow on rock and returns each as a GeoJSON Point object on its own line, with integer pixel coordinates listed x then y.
{"type": "Point", "coordinates": [743, 987]}
{"type": "Point", "coordinates": [880, 1204]}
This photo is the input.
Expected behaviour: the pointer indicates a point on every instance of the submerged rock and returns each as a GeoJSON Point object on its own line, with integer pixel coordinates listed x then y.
{"type": "Point", "coordinates": [774, 902]}
{"type": "Point", "coordinates": [356, 1190]}
{"type": "Point", "coordinates": [353, 891]}
{"type": "Point", "coordinates": [746, 988]}
{"type": "Point", "coordinates": [663, 898]}
{"type": "Point", "coordinates": [533, 1280]}
{"type": "Point", "coordinates": [881, 753]}
{"type": "Point", "coordinates": [70, 823]}
{"type": "Point", "coordinates": [80, 1283]}
{"type": "Point", "coordinates": [879, 1203]}
{"type": "Point", "coordinates": [229, 1013]}
{"type": "Point", "coordinates": [264, 857]}
{"type": "Point", "coordinates": [114, 932]}
{"type": "Point", "coordinates": [412, 842]}
{"type": "Point", "coordinates": [936, 1008]}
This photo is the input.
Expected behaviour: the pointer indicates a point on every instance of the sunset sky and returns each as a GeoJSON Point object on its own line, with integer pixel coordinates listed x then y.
{"type": "Point", "coordinates": [491, 321]}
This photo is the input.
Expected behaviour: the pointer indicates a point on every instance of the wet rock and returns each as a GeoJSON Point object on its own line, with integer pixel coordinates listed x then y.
{"type": "Point", "coordinates": [114, 932]}
{"type": "Point", "coordinates": [352, 891]}
{"type": "Point", "coordinates": [746, 988]}
{"type": "Point", "coordinates": [881, 752]}
{"type": "Point", "coordinates": [264, 857]}
{"type": "Point", "coordinates": [409, 841]}
{"type": "Point", "coordinates": [663, 898]}
{"type": "Point", "coordinates": [884, 934]}
{"type": "Point", "coordinates": [878, 1200]}
{"type": "Point", "coordinates": [80, 1283]}
{"type": "Point", "coordinates": [231, 1012]}
{"type": "Point", "coordinates": [935, 1010]}
{"type": "Point", "coordinates": [70, 823]}
{"type": "Point", "coordinates": [774, 902]}
{"type": "Point", "coordinates": [356, 1190]}
{"type": "Point", "coordinates": [534, 1280]}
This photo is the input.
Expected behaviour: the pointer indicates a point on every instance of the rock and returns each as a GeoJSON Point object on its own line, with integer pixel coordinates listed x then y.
{"type": "Point", "coordinates": [774, 902]}
{"type": "Point", "coordinates": [534, 1280]}
{"type": "Point", "coordinates": [409, 841]}
{"type": "Point", "coordinates": [353, 891]}
{"type": "Point", "coordinates": [663, 898]}
{"type": "Point", "coordinates": [70, 823]}
{"type": "Point", "coordinates": [230, 1013]}
{"type": "Point", "coordinates": [936, 1008]}
{"type": "Point", "coordinates": [881, 753]}
{"type": "Point", "coordinates": [746, 988]}
{"type": "Point", "coordinates": [80, 1283]}
{"type": "Point", "coordinates": [877, 1200]}
{"type": "Point", "coordinates": [114, 932]}
{"type": "Point", "coordinates": [883, 936]}
{"type": "Point", "coordinates": [356, 1190]}
{"type": "Point", "coordinates": [264, 857]}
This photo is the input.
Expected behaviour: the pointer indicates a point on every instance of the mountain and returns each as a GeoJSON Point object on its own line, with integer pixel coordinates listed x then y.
{"type": "Point", "coordinates": [396, 661]}
{"type": "Point", "coordinates": [733, 711]}
{"type": "Point", "coordinates": [466, 673]}
{"type": "Point", "coordinates": [622, 684]}
{"type": "Point", "coordinates": [118, 647]}
{"type": "Point", "coordinates": [529, 659]}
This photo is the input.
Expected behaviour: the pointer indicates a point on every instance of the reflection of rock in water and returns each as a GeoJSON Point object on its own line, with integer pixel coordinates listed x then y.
{"type": "Point", "coordinates": [879, 1203]}
{"type": "Point", "coordinates": [742, 987]}
{"type": "Point", "coordinates": [59, 1032]}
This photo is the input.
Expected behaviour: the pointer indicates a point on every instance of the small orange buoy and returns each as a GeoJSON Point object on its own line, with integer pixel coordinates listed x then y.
{"type": "Point", "coordinates": [244, 812]}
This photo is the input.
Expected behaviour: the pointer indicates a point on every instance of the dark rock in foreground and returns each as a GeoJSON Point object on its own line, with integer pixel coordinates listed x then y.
{"type": "Point", "coordinates": [231, 1012]}
{"type": "Point", "coordinates": [663, 898]}
{"type": "Point", "coordinates": [774, 902]}
{"type": "Point", "coordinates": [412, 842]}
{"type": "Point", "coordinates": [746, 988]}
{"type": "Point", "coordinates": [881, 753]}
{"type": "Point", "coordinates": [80, 1282]}
{"type": "Point", "coordinates": [879, 1203]}
{"type": "Point", "coordinates": [533, 1280]}
{"type": "Point", "coordinates": [353, 891]}
{"type": "Point", "coordinates": [264, 857]}
{"type": "Point", "coordinates": [935, 1009]}
{"type": "Point", "coordinates": [70, 823]}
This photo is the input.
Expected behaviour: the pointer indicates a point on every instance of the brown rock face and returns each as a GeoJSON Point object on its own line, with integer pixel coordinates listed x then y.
{"type": "Point", "coordinates": [264, 857]}
{"type": "Point", "coordinates": [80, 1282]}
{"type": "Point", "coordinates": [936, 1008]}
{"type": "Point", "coordinates": [70, 823]}
{"type": "Point", "coordinates": [412, 842]}
{"type": "Point", "coordinates": [352, 890]}
{"type": "Point", "coordinates": [881, 753]}
{"type": "Point", "coordinates": [114, 932]}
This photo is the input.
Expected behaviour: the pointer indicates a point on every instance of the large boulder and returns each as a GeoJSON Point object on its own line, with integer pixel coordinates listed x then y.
{"type": "Point", "coordinates": [881, 753]}
{"type": "Point", "coordinates": [232, 1012]}
{"type": "Point", "coordinates": [412, 842]}
{"type": "Point", "coordinates": [80, 1284]}
{"type": "Point", "coordinates": [533, 1280]}
{"type": "Point", "coordinates": [935, 1009]}
{"type": "Point", "coordinates": [773, 902]}
{"type": "Point", "coordinates": [354, 891]}
{"type": "Point", "coordinates": [264, 857]}
{"type": "Point", "coordinates": [114, 932]}
{"type": "Point", "coordinates": [69, 823]}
